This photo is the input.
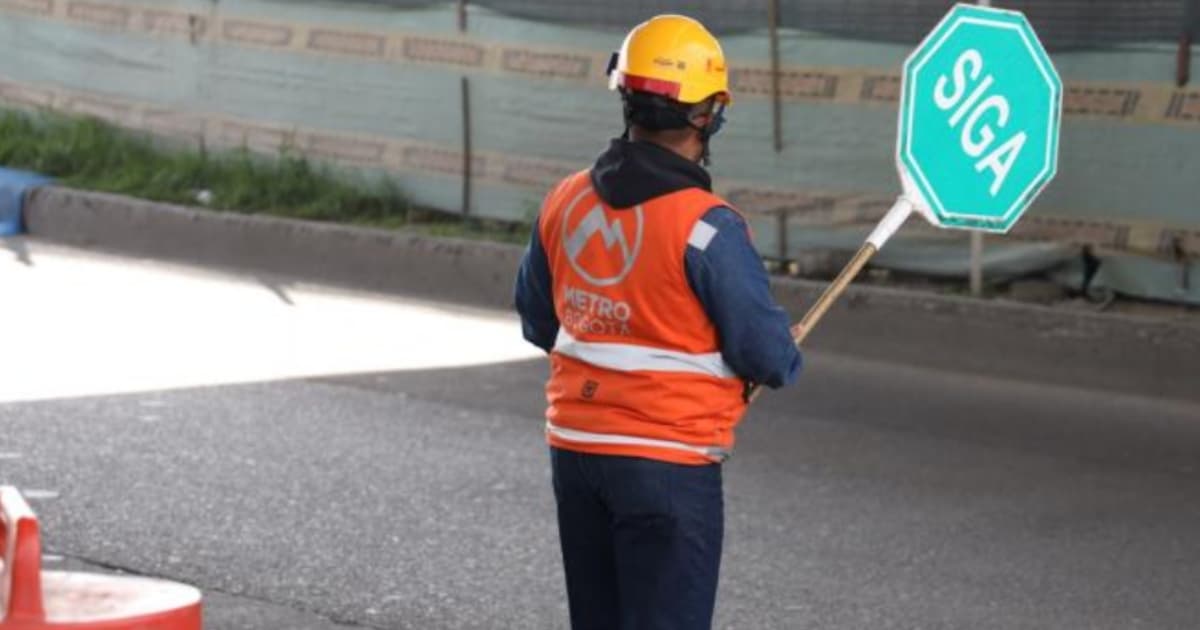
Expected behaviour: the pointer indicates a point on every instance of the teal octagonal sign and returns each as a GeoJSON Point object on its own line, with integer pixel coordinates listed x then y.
{"type": "Point", "coordinates": [980, 110]}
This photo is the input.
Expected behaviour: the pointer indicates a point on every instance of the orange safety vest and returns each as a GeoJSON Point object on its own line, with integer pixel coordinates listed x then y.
{"type": "Point", "coordinates": [636, 369]}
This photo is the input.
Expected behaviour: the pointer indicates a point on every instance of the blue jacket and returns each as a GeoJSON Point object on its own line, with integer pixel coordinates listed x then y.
{"type": "Point", "coordinates": [727, 276]}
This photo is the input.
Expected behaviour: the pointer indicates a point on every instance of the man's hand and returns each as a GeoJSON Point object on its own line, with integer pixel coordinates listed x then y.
{"type": "Point", "coordinates": [797, 331]}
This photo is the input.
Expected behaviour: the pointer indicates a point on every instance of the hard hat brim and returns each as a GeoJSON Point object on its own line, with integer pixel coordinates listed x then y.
{"type": "Point", "coordinates": [669, 89]}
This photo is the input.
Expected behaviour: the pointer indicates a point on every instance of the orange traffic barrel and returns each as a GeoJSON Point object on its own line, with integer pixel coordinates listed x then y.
{"type": "Point", "coordinates": [32, 599]}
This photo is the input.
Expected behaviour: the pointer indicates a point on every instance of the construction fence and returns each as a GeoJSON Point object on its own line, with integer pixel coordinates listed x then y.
{"type": "Point", "coordinates": [477, 108]}
{"type": "Point", "coordinates": [1063, 24]}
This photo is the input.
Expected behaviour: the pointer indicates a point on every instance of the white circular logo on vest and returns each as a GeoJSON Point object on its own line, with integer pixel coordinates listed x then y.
{"type": "Point", "coordinates": [619, 256]}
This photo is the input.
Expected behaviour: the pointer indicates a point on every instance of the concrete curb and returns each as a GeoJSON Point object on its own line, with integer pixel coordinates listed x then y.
{"type": "Point", "coordinates": [454, 270]}
{"type": "Point", "coordinates": [1117, 353]}
{"type": "Point", "coordinates": [1133, 355]}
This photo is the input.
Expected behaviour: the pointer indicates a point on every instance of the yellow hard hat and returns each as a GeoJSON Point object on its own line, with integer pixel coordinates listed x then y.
{"type": "Point", "coordinates": [673, 56]}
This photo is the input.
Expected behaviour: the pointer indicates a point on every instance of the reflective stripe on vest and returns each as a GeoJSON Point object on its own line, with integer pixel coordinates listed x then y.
{"type": "Point", "coordinates": [715, 453]}
{"type": "Point", "coordinates": [625, 357]}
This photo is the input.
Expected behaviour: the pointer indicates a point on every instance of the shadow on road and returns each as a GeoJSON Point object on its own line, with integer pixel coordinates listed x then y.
{"type": "Point", "coordinates": [278, 287]}
{"type": "Point", "coordinates": [19, 249]}
{"type": "Point", "coordinates": [879, 398]}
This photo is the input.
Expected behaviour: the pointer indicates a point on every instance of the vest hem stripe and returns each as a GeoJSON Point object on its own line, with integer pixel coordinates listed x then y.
{"type": "Point", "coordinates": [714, 453]}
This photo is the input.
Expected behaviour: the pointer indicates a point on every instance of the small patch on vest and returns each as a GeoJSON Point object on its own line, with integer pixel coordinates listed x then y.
{"type": "Point", "coordinates": [702, 235]}
{"type": "Point", "coordinates": [589, 389]}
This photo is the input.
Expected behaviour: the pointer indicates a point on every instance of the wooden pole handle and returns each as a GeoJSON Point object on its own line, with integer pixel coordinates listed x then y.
{"type": "Point", "coordinates": [884, 231]}
{"type": "Point", "coordinates": [831, 294]}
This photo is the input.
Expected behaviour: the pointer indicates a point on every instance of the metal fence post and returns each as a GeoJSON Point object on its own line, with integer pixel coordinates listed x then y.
{"type": "Point", "coordinates": [776, 105]}
{"type": "Point", "coordinates": [1191, 32]}
{"type": "Point", "coordinates": [466, 121]}
{"type": "Point", "coordinates": [976, 271]}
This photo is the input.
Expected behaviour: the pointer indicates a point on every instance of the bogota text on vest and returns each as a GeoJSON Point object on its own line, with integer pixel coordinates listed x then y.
{"type": "Point", "coordinates": [636, 369]}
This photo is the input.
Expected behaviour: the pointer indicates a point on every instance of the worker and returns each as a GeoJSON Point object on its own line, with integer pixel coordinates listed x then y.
{"type": "Point", "coordinates": [647, 293]}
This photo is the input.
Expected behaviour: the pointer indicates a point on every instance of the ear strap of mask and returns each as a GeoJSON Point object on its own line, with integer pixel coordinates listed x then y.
{"type": "Point", "coordinates": [716, 121]}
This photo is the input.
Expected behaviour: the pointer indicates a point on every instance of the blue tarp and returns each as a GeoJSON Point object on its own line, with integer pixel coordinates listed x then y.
{"type": "Point", "coordinates": [13, 186]}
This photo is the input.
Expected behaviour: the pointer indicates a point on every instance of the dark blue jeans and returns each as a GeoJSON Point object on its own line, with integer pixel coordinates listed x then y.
{"type": "Point", "coordinates": [641, 541]}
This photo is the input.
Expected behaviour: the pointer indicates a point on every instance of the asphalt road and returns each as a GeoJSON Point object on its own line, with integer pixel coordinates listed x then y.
{"type": "Point", "coordinates": [870, 496]}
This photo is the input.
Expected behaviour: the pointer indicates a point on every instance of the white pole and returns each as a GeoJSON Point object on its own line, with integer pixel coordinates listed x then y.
{"type": "Point", "coordinates": [977, 237]}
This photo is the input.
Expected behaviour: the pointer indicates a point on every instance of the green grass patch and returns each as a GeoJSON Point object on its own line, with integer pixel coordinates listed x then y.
{"type": "Point", "coordinates": [93, 155]}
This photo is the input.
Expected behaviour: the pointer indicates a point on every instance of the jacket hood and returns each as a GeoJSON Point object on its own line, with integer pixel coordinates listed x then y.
{"type": "Point", "coordinates": [630, 173]}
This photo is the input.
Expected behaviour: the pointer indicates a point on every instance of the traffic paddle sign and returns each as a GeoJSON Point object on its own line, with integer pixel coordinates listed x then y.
{"type": "Point", "coordinates": [980, 110]}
